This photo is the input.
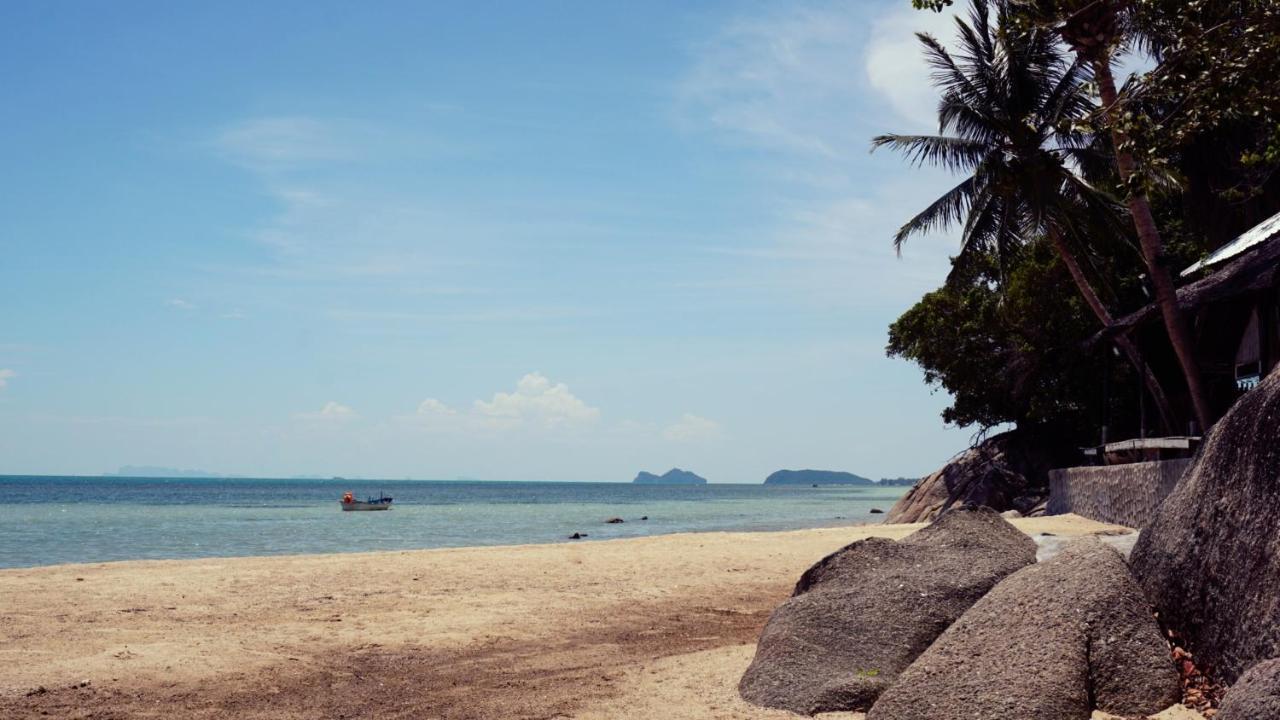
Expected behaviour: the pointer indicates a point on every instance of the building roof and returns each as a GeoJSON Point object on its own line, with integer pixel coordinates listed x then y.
{"type": "Point", "coordinates": [1243, 273]}
{"type": "Point", "coordinates": [1176, 442]}
{"type": "Point", "coordinates": [1262, 232]}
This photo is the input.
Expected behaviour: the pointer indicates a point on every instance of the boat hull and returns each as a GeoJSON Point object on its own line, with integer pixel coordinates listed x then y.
{"type": "Point", "coordinates": [347, 507]}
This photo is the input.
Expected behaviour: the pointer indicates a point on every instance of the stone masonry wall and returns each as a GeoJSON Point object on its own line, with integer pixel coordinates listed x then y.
{"type": "Point", "coordinates": [1120, 494]}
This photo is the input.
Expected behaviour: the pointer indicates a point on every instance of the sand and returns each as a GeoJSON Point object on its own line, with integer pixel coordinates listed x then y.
{"type": "Point", "coordinates": [658, 627]}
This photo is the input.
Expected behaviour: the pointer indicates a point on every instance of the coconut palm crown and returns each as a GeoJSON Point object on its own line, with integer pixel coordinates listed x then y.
{"type": "Point", "coordinates": [1009, 120]}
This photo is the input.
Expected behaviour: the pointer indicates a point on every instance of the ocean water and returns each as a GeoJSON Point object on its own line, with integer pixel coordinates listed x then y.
{"type": "Point", "coordinates": [50, 520]}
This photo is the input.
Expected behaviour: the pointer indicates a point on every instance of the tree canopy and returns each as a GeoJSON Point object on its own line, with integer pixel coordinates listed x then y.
{"type": "Point", "coordinates": [1200, 132]}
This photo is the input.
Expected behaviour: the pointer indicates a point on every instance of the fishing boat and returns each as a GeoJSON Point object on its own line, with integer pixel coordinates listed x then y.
{"type": "Point", "coordinates": [349, 502]}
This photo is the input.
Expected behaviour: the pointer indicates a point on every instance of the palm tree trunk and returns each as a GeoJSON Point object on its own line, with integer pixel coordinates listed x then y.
{"type": "Point", "coordinates": [1152, 248]}
{"type": "Point", "coordinates": [1104, 316]}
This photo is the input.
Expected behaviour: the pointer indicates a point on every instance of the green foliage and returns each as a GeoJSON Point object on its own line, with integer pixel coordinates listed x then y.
{"type": "Point", "coordinates": [1216, 80]}
{"type": "Point", "coordinates": [1013, 353]}
{"type": "Point", "coordinates": [1218, 77]}
{"type": "Point", "coordinates": [1010, 118]}
{"type": "Point", "coordinates": [1006, 335]}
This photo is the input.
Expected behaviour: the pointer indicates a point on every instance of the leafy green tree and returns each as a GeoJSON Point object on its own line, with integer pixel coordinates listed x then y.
{"type": "Point", "coordinates": [1209, 113]}
{"type": "Point", "coordinates": [1015, 352]}
{"type": "Point", "coordinates": [1095, 30]}
{"type": "Point", "coordinates": [1010, 121]}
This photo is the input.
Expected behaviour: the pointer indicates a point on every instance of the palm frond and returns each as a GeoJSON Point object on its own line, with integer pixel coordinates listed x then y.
{"type": "Point", "coordinates": [967, 121]}
{"type": "Point", "coordinates": [947, 75]}
{"type": "Point", "coordinates": [1010, 117]}
{"type": "Point", "coordinates": [1088, 161]}
{"type": "Point", "coordinates": [951, 153]}
{"type": "Point", "coordinates": [941, 213]}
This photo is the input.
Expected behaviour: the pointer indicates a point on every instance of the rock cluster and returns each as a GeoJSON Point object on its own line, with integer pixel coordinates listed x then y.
{"type": "Point", "coordinates": [1009, 471]}
{"type": "Point", "coordinates": [1256, 696]}
{"type": "Point", "coordinates": [1210, 560]}
{"type": "Point", "coordinates": [861, 615]}
{"type": "Point", "coordinates": [1054, 641]}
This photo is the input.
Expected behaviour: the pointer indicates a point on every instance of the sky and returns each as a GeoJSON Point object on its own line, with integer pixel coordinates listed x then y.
{"type": "Point", "coordinates": [495, 240]}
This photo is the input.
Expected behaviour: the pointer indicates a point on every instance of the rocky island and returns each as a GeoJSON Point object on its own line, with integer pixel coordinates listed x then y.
{"type": "Point", "coordinates": [816, 477]}
{"type": "Point", "coordinates": [674, 476]}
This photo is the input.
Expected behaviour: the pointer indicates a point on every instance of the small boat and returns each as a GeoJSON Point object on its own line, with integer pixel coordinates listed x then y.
{"type": "Point", "coordinates": [349, 502]}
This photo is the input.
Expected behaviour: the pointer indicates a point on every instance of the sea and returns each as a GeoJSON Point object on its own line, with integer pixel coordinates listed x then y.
{"type": "Point", "coordinates": [51, 520]}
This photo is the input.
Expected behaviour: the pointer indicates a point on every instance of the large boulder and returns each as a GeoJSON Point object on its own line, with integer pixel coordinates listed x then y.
{"type": "Point", "coordinates": [1210, 560]}
{"type": "Point", "coordinates": [862, 614]}
{"type": "Point", "coordinates": [1009, 471]}
{"type": "Point", "coordinates": [1255, 696]}
{"type": "Point", "coordinates": [1054, 641]}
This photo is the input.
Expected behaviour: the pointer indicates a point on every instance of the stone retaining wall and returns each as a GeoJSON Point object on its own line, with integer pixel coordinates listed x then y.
{"type": "Point", "coordinates": [1120, 494]}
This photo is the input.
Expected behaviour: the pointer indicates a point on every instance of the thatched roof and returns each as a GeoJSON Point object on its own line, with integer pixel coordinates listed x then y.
{"type": "Point", "coordinates": [1254, 269]}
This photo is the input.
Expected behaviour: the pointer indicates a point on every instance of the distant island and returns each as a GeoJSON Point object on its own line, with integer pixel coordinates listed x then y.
{"type": "Point", "coordinates": [153, 471]}
{"type": "Point", "coordinates": [674, 476]}
{"type": "Point", "coordinates": [816, 477]}
{"type": "Point", "coordinates": [899, 482]}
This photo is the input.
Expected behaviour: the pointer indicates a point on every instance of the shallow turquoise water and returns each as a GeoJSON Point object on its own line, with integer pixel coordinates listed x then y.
{"type": "Point", "coordinates": [48, 520]}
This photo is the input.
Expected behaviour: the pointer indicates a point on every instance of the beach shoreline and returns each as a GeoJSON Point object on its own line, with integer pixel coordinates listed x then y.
{"type": "Point", "coordinates": [665, 623]}
{"type": "Point", "coordinates": [59, 520]}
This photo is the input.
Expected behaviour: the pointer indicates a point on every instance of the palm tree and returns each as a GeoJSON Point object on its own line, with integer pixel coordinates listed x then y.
{"type": "Point", "coordinates": [1094, 29]}
{"type": "Point", "coordinates": [1005, 120]}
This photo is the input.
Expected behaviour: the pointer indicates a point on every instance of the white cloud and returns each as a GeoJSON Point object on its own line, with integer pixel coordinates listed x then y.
{"type": "Point", "coordinates": [332, 411]}
{"type": "Point", "coordinates": [537, 402]}
{"type": "Point", "coordinates": [781, 79]}
{"type": "Point", "coordinates": [435, 415]}
{"type": "Point", "coordinates": [811, 82]}
{"type": "Point", "coordinates": [432, 407]}
{"type": "Point", "coordinates": [276, 143]}
{"type": "Point", "coordinates": [375, 236]}
{"type": "Point", "coordinates": [692, 428]}
{"type": "Point", "coordinates": [5, 375]}
{"type": "Point", "coordinates": [895, 62]}
{"type": "Point", "coordinates": [180, 304]}
{"type": "Point", "coordinates": [789, 78]}
{"type": "Point", "coordinates": [849, 243]}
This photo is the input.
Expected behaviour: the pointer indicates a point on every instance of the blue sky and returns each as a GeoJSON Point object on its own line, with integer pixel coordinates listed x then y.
{"type": "Point", "coordinates": [552, 240]}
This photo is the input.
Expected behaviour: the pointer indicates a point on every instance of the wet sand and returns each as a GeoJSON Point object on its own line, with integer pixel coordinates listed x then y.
{"type": "Point", "coordinates": [658, 627]}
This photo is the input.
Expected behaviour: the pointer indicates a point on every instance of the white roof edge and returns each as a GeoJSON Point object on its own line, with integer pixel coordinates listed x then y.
{"type": "Point", "coordinates": [1256, 235]}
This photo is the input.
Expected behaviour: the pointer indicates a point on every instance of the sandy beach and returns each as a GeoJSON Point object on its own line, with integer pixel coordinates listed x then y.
{"type": "Point", "coordinates": [658, 627]}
